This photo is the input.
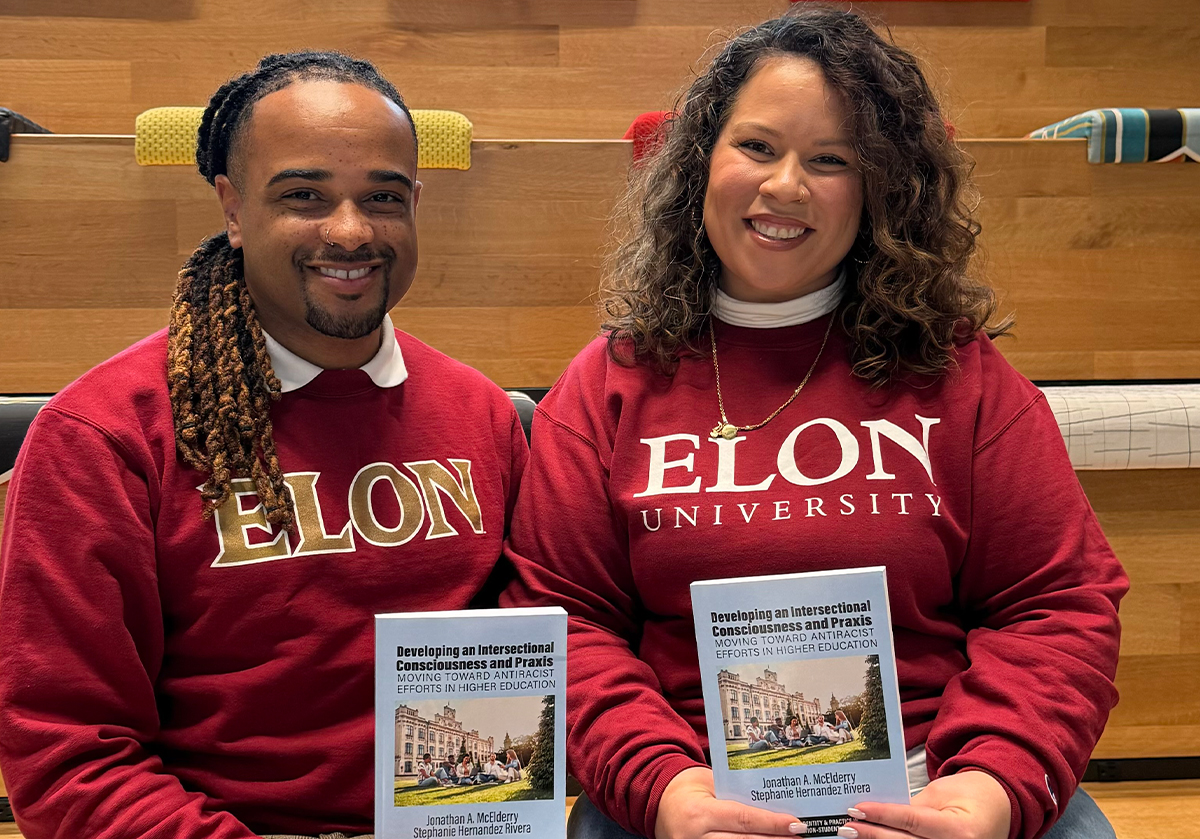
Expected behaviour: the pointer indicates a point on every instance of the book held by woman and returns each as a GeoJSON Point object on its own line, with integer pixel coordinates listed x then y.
{"type": "Point", "coordinates": [800, 692]}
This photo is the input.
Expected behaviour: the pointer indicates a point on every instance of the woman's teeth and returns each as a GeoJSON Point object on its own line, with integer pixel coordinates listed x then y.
{"type": "Point", "coordinates": [772, 232]}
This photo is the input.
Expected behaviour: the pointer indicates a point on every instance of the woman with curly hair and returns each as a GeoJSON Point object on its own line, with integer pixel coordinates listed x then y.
{"type": "Point", "coordinates": [797, 374]}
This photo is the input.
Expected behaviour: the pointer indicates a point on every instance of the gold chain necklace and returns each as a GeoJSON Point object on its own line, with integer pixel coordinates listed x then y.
{"type": "Point", "coordinates": [727, 429]}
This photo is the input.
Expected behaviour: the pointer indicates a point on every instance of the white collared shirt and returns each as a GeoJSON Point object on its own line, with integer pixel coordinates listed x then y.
{"type": "Point", "coordinates": [386, 369]}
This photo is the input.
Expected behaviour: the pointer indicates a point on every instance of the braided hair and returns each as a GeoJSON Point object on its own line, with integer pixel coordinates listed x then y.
{"type": "Point", "coordinates": [218, 370]}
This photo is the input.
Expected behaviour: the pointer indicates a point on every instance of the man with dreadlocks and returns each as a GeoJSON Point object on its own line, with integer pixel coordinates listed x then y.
{"type": "Point", "coordinates": [200, 529]}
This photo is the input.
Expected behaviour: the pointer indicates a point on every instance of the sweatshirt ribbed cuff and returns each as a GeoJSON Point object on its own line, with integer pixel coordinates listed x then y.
{"type": "Point", "coordinates": [1014, 811]}
{"type": "Point", "coordinates": [662, 773]}
{"type": "Point", "coordinates": [1024, 778]}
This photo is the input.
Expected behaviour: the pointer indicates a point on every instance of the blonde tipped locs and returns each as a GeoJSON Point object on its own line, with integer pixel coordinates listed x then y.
{"type": "Point", "coordinates": [222, 384]}
{"type": "Point", "coordinates": [220, 375]}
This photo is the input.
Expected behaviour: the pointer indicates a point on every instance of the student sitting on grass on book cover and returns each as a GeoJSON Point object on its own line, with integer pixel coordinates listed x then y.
{"type": "Point", "coordinates": [492, 771]}
{"type": "Point", "coordinates": [513, 766]}
{"type": "Point", "coordinates": [834, 735]}
{"type": "Point", "coordinates": [462, 772]}
{"type": "Point", "coordinates": [842, 723]}
{"type": "Point", "coordinates": [425, 776]}
{"type": "Point", "coordinates": [816, 735]}
{"type": "Point", "coordinates": [795, 265]}
{"type": "Point", "coordinates": [794, 732]}
{"type": "Point", "coordinates": [758, 739]}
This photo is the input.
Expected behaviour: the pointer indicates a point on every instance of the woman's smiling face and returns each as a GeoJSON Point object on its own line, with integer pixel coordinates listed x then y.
{"type": "Point", "coordinates": [784, 197]}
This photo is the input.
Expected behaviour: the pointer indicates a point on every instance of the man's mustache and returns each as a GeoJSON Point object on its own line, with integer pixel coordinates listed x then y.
{"type": "Point", "coordinates": [360, 255]}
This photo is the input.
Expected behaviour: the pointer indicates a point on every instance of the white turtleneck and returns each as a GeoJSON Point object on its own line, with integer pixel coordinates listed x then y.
{"type": "Point", "coordinates": [788, 313]}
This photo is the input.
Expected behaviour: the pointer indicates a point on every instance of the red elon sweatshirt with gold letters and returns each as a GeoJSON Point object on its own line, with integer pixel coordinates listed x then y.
{"type": "Point", "coordinates": [165, 675]}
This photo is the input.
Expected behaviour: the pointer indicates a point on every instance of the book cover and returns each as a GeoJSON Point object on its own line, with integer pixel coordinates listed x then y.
{"type": "Point", "coordinates": [470, 724]}
{"type": "Point", "coordinates": [800, 692]}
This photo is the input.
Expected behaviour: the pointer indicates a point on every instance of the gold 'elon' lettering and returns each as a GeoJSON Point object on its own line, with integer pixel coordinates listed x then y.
{"type": "Point", "coordinates": [236, 526]}
{"type": "Point", "coordinates": [362, 510]}
{"type": "Point", "coordinates": [309, 521]}
{"type": "Point", "coordinates": [436, 480]}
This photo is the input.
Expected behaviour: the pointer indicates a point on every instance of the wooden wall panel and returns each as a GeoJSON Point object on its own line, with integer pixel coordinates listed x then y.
{"type": "Point", "coordinates": [563, 68]}
{"type": "Point", "coordinates": [1152, 520]}
{"type": "Point", "coordinates": [1098, 262]}
{"type": "Point", "coordinates": [508, 271]}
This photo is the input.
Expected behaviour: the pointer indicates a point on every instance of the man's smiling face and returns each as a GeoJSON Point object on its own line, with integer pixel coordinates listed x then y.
{"type": "Point", "coordinates": [322, 198]}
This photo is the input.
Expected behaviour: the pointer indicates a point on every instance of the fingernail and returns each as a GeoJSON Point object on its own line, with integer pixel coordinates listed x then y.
{"type": "Point", "coordinates": [848, 832]}
{"type": "Point", "coordinates": [856, 813]}
{"type": "Point", "coordinates": [797, 827]}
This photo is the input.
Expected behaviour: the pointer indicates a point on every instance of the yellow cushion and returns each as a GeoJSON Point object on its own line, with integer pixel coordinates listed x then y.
{"type": "Point", "coordinates": [167, 137]}
{"type": "Point", "coordinates": [444, 140]}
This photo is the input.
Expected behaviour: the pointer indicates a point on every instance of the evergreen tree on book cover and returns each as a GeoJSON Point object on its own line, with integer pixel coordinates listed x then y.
{"type": "Point", "coordinates": [874, 721]}
{"type": "Point", "coordinates": [541, 765]}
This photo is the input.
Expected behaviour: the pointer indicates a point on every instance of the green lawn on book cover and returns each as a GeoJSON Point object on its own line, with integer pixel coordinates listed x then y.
{"type": "Point", "coordinates": [741, 757]}
{"type": "Point", "coordinates": [408, 794]}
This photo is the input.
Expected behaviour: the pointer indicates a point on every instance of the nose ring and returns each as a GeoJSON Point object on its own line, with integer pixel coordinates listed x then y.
{"type": "Point", "coordinates": [325, 237]}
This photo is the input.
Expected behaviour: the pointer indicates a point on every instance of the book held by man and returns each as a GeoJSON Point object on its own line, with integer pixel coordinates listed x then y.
{"type": "Point", "coordinates": [800, 692]}
{"type": "Point", "coordinates": [470, 724]}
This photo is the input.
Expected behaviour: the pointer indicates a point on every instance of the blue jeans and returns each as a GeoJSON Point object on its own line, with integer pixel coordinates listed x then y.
{"type": "Point", "coordinates": [1081, 820]}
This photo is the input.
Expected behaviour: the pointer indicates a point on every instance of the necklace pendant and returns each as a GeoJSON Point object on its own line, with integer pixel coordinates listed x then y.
{"type": "Point", "coordinates": [723, 429]}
